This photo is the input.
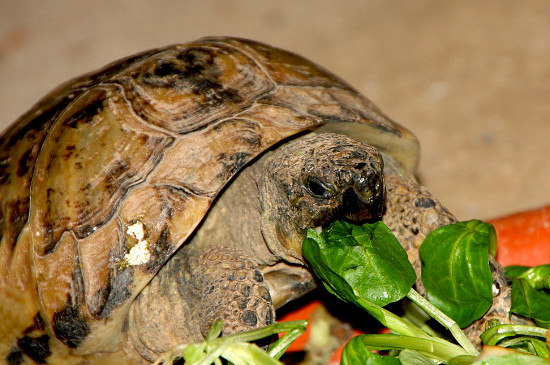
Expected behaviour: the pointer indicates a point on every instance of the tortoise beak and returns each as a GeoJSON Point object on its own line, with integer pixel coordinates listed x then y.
{"type": "Point", "coordinates": [365, 200]}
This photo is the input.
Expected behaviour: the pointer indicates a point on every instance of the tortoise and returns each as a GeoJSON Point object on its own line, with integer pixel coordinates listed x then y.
{"type": "Point", "coordinates": [144, 201]}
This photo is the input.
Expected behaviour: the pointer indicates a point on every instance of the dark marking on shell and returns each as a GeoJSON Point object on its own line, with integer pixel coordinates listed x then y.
{"type": "Point", "coordinates": [160, 251]}
{"type": "Point", "coordinates": [2, 228]}
{"type": "Point", "coordinates": [4, 175]}
{"type": "Point", "coordinates": [165, 68]}
{"type": "Point", "coordinates": [85, 229]}
{"type": "Point", "coordinates": [86, 114]}
{"type": "Point", "coordinates": [191, 58]}
{"type": "Point", "coordinates": [233, 163]}
{"type": "Point", "coordinates": [99, 299]}
{"type": "Point", "coordinates": [17, 215]}
{"type": "Point", "coordinates": [25, 163]}
{"type": "Point", "coordinates": [70, 327]}
{"type": "Point", "coordinates": [14, 357]}
{"type": "Point", "coordinates": [35, 127]}
{"type": "Point", "coordinates": [37, 348]}
{"type": "Point", "coordinates": [38, 324]}
{"type": "Point", "coordinates": [190, 64]}
{"type": "Point", "coordinates": [118, 291]}
{"type": "Point", "coordinates": [70, 150]}
{"type": "Point", "coordinates": [49, 225]}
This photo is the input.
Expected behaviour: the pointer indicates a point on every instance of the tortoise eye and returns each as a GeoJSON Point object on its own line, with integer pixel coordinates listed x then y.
{"type": "Point", "coordinates": [318, 189]}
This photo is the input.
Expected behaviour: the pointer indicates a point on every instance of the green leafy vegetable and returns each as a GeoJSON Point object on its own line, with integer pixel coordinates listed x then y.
{"type": "Point", "coordinates": [538, 277]}
{"type": "Point", "coordinates": [513, 271]}
{"type": "Point", "coordinates": [530, 302]}
{"type": "Point", "coordinates": [335, 254]}
{"type": "Point", "coordinates": [531, 292]}
{"type": "Point", "coordinates": [456, 272]}
{"type": "Point", "coordinates": [347, 250]}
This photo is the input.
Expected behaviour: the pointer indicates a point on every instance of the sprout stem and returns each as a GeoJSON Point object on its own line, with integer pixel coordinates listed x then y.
{"type": "Point", "coordinates": [444, 320]}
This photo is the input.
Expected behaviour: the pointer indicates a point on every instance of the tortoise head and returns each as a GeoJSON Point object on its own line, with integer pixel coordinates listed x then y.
{"type": "Point", "coordinates": [313, 181]}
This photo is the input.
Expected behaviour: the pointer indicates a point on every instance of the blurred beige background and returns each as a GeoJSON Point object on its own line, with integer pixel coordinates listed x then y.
{"type": "Point", "coordinates": [471, 78]}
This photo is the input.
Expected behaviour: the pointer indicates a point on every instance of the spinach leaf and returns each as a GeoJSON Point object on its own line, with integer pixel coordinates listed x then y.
{"type": "Point", "coordinates": [529, 302]}
{"type": "Point", "coordinates": [456, 272]}
{"type": "Point", "coordinates": [513, 271]}
{"type": "Point", "coordinates": [538, 277]}
{"type": "Point", "coordinates": [367, 258]}
{"type": "Point", "coordinates": [531, 292]}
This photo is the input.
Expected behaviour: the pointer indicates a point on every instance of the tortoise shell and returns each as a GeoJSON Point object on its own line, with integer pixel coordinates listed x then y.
{"type": "Point", "coordinates": [147, 143]}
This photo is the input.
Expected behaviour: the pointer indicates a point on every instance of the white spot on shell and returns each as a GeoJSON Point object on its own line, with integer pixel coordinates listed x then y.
{"type": "Point", "coordinates": [139, 254]}
{"type": "Point", "coordinates": [318, 229]}
{"type": "Point", "coordinates": [136, 230]}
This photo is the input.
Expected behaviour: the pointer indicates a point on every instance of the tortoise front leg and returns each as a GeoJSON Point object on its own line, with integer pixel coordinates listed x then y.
{"type": "Point", "coordinates": [229, 287]}
{"type": "Point", "coordinates": [190, 293]}
{"type": "Point", "coordinates": [411, 213]}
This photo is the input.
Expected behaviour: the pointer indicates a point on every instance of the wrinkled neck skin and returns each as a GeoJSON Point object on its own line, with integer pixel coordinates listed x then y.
{"type": "Point", "coordinates": [244, 217]}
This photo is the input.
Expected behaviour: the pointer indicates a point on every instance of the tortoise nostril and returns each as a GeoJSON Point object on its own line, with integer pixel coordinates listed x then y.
{"type": "Point", "coordinates": [368, 188]}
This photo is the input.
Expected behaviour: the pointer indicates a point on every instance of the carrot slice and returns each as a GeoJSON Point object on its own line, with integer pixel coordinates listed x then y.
{"type": "Point", "coordinates": [524, 238]}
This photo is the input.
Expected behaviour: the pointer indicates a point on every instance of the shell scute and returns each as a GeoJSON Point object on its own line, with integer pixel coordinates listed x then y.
{"type": "Point", "coordinates": [100, 273]}
{"type": "Point", "coordinates": [55, 276]}
{"type": "Point", "coordinates": [284, 67]}
{"type": "Point", "coordinates": [184, 89]}
{"type": "Point", "coordinates": [93, 155]}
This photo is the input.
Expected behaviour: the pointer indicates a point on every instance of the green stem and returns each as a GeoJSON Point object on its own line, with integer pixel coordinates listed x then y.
{"type": "Point", "coordinates": [444, 320]}
{"type": "Point", "coordinates": [214, 353]}
{"type": "Point", "coordinates": [391, 321]}
{"type": "Point", "coordinates": [493, 335]}
{"type": "Point", "coordinates": [434, 348]}
{"type": "Point", "coordinates": [263, 332]}
{"type": "Point", "coordinates": [281, 345]}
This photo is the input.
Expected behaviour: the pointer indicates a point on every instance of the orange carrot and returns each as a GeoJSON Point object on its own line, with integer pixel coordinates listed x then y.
{"type": "Point", "coordinates": [524, 238]}
{"type": "Point", "coordinates": [303, 312]}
